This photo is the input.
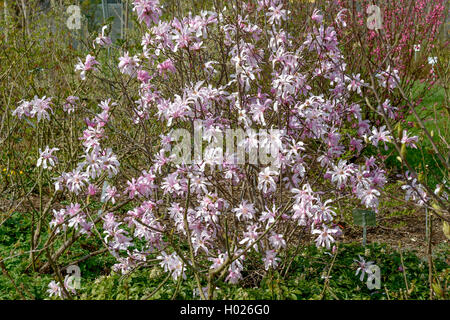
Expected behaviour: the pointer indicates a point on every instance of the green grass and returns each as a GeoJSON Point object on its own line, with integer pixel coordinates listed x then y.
{"type": "Point", "coordinates": [304, 280]}
{"type": "Point", "coordinates": [431, 107]}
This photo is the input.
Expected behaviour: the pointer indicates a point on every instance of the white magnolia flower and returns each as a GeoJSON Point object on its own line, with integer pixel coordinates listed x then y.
{"type": "Point", "coordinates": [47, 156]}
{"type": "Point", "coordinates": [363, 267]}
{"type": "Point", "coordinates": [102, 39]}
{"type": "Point", "coordinates": [432, 60]}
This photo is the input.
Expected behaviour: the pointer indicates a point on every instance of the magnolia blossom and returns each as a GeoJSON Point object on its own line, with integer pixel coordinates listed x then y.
{"type": "Point", "coordinates": [266, 181]}
{"type": "Point", "coordinates": [110, 194]}
{"type": "Point", "coordinates": [58, 219]}
{"type": "Point", "coordinates": [432, 60]}
{"type": "Point", "coordinates": [92, 164]}
{"type": "Point", "coordinates": [165, 66]}
{"type": "Point", "coordinates": [70, 104]}
{"type": "Point", "coordinates": [55, 289]}
{"type": "Point", "coordinates": [245, 210]}
{"type": "Point", "coordinates": [277, 240]}
{"type": "Point", "coordinates": [340, 18]}
{"type": "Point", "coordinates": [388, 109]}
{"type": "Point", "coordinates": [143, 76]}
{"type": "Point", "coordinates": [88, 65]}
{"type": "Point", "coordinates": [414, 190]}
{"type": "Point", "coordinates": [147, 11]}
{"type": "Point", "coordinates": [355, 83]}
{"type": "Point", "coordinates": [409, 141]}
{"type": "Point", "coordinates": [102, 40]}
{"type": "Point", "coordinates": [380, 135]}
{"type": "Point", "coordinates": [234, 275]}
{"type": "Point", "coordinates": [276, 14]}
{"type": "Point", "coordinates": [325, 238]}
{"type": "Point", "coordinates": [35, 108]}
{"type": "Point", "coordinates": [389, 78]}
{"type": "Point", "coordinates": [363, 267]}
{"type": "Point", "coordinates": [128, 65]}
{"type": "Point", "coordinates": [40, 107]}
{"type": "Point", "coordinates": [110, 163]}
{"type": "Point", "coordinates": [341, 172]}
{"type": "Point", "coordinates": [250, 237]}
{"type": "Point", "coordinates": [271, 260]}
{"type": "Point", "coordinates": [91, 190]}
{"type": "Point", "coordinates": [47, 156]}
{"type": "Point", "coordinates": [76, 180]}
{"type": "Point", "coordinates": [172, 263]}
{"type": "Point", "coordinates": [269, 215]}
{"type": "Point", "coordinates": [369, 197]}
{"type": "Point", "coordinates": [249, 206]}
{"type": "Point", "coordinates": [24, 109]}
{"type": "Point", "coordinates": [316, 16]}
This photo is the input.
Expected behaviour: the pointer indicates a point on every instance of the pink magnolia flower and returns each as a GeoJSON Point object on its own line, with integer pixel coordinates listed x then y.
{"type": "Point", "coordinates": [55, 289]}
{"type": "Point", "coordinates": [388, 109]}
{"type": "Point", "coordinates": [250, 236]}
{"type": "Point", "coordinates": [266, 181]}
{"type": "Point", "coordinates": [128, 65]}
{"type": "Point", "coordinates": [76, 180]}
{"type": "Point", "coordinates": [316, 16]}
{"type": "Point", "coordinates": [73, 209]}
{"type": "Point", "coordinates": [409, 141]}
{"type": "Point", "coordinates": [323, 211]}
{"type": "Point", "coordinates": [277, 13]}
{"type": "Point", "coordinates": [147, 11]}
{"type": "Point", "coordinates": [363, 266]}
{"type": "Point", "coordinates": [70, 104]}
{"type": "Point", "coordinates": [340, 18]}
{"type": "Point", "coordinates": [217, 262]}
{"type": "Point", "coordinates": [369, 197]}
{"type": "Point", "coordinates": [143, 76]}
{"type": "Point", "coordinates": [277, 241]}
{"type": "Point", "coordinates": [325, 238]}
{"type": "Point", "coordinates": [415, 191]}
{"type": "Point", "coordinates": [171, 183]}
{"type": "Point", "coordinates": [172, 263]}
{"type": "Point", "coordinates": [88, 65]}
{"type": "Point", "coordinates": [341, 173]}
{"type": "Point", "coordinates": [110, 194]}
{"type": "Point", "coordinates": [92, 164]}
{"type": "Point", "coordinates": [234, 275]}
{"type": "Point", "coordinates": [47, 156]}
{"type": "Point", "coordinates": [271, 260]}
{"type": "Point", "coordinates": [58, 219]}
{"type": "Point", "coordinates": [245, 210]}
{"type": "Point", "coordinates": [109, 161]}
{"type": "Point", "coordinates": [380, 135]}
{"type": "Point", "coordinates": [40, 107]}
{"type": "Point", "coordinates": [389, 78]}
{"type": "Point", "coordinates": [355, 83]}
{"type": "Point", "coordinates": [24, 109]}
{"type": "Point", "coordinates": [269, 215]}
{"type": "Point", "coordinates": [102, 40]}
{"type": "Point", "coordinates": [92, 190]}
{"type": "Point", "coordinates": [166, 66]}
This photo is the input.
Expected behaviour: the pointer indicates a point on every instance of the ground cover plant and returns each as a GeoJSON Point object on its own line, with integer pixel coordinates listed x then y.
{"type": "Point", "coordinates": [225, 150]}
